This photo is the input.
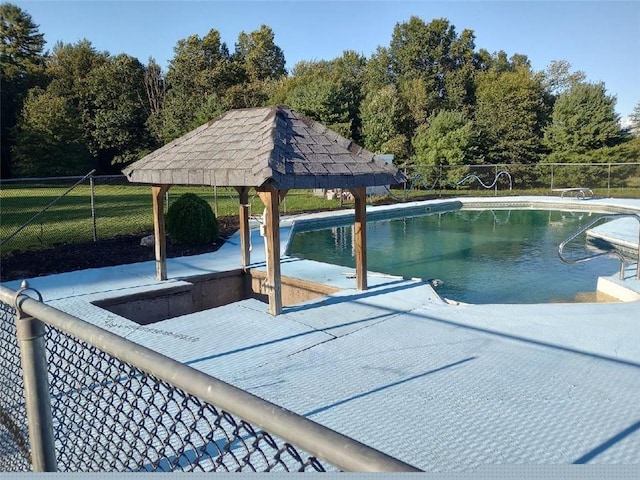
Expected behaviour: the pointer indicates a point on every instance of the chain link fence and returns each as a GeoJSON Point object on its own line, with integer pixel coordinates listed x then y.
{"type": "Point", "coordinates": [131, 421]}
{"type": "Point", "coordinates": [45, 212]}
{"type": "Point", "coordinates": [42, 213]}
{"type": "Point", "coordinates": [610, 179]}
{"type": "Point", "coordinates": [14, 437]}
{"type": "Point", "coordinates": [113, 414]}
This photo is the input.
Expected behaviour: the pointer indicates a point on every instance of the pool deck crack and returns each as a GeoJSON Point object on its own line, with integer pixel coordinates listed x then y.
{"type": "Point", "coordinates": [336, 337]}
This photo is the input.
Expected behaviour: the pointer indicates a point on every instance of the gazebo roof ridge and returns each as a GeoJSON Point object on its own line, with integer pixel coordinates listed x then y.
{"type": "Point", "coordinates": [255, 146]}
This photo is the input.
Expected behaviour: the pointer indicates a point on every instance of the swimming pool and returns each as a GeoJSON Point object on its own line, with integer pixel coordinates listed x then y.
{"type": "Point", "coordinates": [481, 256]}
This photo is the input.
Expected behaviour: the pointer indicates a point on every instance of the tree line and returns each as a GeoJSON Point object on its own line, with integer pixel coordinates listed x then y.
{"type": "Point", "coordinates": [429, 97]}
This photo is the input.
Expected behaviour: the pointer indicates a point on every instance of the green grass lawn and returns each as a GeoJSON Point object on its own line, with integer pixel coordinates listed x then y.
{"type": "Point", "coordinates": [119, 210]}
{"type": "Point", "coordinates": [127, 209]}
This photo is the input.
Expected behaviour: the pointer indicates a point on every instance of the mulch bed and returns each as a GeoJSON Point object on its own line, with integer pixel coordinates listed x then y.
{"type": "Point", "coordinates": [120, 250]}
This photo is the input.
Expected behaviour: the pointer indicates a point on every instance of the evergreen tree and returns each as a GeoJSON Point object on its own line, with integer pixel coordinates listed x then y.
{"type": "Point", "coordinates": [635, 120]}
{"type": "Point", "coordinates": [21, 67]}
{"type": "Point", "coordinates": [585, 129]}
{"type": "Point", "coordinates": [583, 119]}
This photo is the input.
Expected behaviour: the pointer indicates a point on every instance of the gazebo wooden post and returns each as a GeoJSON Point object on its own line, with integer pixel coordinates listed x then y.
{"type": "Point", "coordinates": [360, 236]}
{"type": "Point", "coordinates": [158, 193]}
{"type": "Point", "coordinates": [244, 226]}
{"type": "Point", "coordinates": [270, 196]}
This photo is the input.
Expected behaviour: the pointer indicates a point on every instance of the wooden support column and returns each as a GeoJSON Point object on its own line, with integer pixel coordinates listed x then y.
{"type": "Point", "coordinates": [158, 192]}
{"type": "Point", "coordinates": [244, 226]}
{"type": "Point", "coordinates": [360, 237]}
{"type": "Point", "coordinates": [271, 199]}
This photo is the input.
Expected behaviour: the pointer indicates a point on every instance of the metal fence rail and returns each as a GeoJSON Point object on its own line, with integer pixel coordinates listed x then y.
{"type": "Point", "coordinates": [45, 211]}
{"type": "Point", "coordinates": [603, 176]}
{"type": "Point", "coordinates": [103, 207]}
{"type": "Point", "coordinates": [118, 406]}
{"type": "Point", "coordinates": [39, 213]}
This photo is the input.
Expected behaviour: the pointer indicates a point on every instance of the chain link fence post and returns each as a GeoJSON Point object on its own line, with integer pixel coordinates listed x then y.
{"type": "Point", "coordinates": [93, 208]}
{"type": "Point", "coordinates": [215, 200]}
{"type": "Point", "coordinates": [30, 333]}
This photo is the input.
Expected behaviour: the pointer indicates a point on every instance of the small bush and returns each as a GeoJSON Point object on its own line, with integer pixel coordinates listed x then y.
{"type": "Point", "coordinates": [191, 221]}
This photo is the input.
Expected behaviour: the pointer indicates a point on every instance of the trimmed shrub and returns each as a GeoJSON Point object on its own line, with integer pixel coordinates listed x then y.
{"type": "Point", "coordinates": [191, 221]}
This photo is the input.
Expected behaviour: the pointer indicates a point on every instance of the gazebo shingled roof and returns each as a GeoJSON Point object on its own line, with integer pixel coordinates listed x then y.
{"type": "Point", "coordinates": [250, 147]}
{"type": "Point", "coordinates": [272, 149]}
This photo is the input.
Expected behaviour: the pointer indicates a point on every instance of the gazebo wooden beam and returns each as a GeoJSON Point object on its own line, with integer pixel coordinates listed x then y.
{"type": "Point", "coordinates": [360, 236]}
{"type": "Point", "coordinates": [244, 226]}
{"type": "Point", "coordinates": [158, 193]}
{"type": "Point", "coordinates": [270, 196]}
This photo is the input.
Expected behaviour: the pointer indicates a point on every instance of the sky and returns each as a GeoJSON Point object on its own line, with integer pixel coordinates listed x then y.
{"type": "Point", "coordinates": [598, 37]}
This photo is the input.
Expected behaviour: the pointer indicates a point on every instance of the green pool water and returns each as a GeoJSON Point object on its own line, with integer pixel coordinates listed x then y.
{"type": "Point", "coordinates": [488, 256]}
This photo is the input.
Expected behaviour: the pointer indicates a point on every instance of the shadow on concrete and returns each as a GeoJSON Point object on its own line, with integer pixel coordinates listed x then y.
{"type": "Point", "coordinates": [385, 387]}
{"type": "Point", "coordinates": [587, 457]}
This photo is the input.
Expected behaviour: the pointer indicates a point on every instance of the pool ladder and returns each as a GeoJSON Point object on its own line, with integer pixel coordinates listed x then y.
{"type": "Point", "coordinates": [609, 252]}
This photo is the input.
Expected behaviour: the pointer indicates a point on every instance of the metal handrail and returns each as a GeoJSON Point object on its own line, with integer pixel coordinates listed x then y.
{"type": "Point", "coordinates": [338, 449]}
{"type": "Point", "coordinates": [586, 227]}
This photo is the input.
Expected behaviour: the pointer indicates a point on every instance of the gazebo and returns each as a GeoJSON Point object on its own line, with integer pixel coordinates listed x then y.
{"type": "Point", "coordinates": [271, 149]}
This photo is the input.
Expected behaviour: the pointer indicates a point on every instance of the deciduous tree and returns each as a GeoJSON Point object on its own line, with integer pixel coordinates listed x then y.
{"type": "Point", "coordinates": [383, 116]}
{"type": "Point", "coordinates": [447, 139]}
{"type": "Point", "coordinates": [67, 101]}
{"type": "Point", "coordinates": [68, 68]}
{"type": "Point", "coordinates": [510, 114]}
{"type": "Point", "coordinates": [119, 109]}
{"type": "Point", "coordinates": [201, 67]}
{"type": "Point", "coordinates": [322, 100]}
{"type": "Point", "coordinates": [378, 72]}
{"type": "Point", "coordinates": [434, 67]}
{"type": "Point", "coordinates": [49, 137]}
{"type": "Point", "coordinates": [156, 89]}
{"type": "Point", "coordinates": [261, 58]}
{"type": "Point", "coordinates": [558, 77]}
{"type": "Point", "coordinates": [331, 92]}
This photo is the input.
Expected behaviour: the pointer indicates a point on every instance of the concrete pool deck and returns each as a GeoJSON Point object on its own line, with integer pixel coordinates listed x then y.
{"type": "Point", "coordinates": [443, 387]}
